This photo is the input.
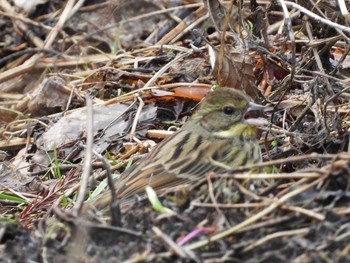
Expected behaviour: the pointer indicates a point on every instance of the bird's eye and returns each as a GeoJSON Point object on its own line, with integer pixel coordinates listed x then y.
{"type": "Point", "coordinates": [229, 110]}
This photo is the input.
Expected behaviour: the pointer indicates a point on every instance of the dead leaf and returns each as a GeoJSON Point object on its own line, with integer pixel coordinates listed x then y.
{"type": "Point", "coordinates": [110, 122]}
{"type": "Point", "coordinates": [51, 96]}
{"type": "Point", "coordinates": [236, 71]}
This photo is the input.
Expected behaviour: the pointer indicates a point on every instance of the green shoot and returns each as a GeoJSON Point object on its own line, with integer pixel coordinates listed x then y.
{"type": "Point", "coordinates": [156, 204]}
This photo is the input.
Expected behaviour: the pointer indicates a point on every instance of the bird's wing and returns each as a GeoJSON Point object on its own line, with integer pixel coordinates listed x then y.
{"type": "Point", "coordinates": [172, 164]}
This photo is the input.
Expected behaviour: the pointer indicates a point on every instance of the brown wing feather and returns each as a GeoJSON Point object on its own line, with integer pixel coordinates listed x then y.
{"type": "Point", "coordinates": [171, 164]}
{"type": "Point", "coordinates": [189, 165]}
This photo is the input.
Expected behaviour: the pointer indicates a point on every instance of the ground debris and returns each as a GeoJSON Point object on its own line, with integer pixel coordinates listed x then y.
{"type": "Point", "coordinates": [147, 64]}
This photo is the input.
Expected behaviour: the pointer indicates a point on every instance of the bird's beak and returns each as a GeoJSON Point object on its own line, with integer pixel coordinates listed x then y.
{"type": "Point", "coordinates": [254, 106]}
{"type": "Point", "coordinates": [252, 118]}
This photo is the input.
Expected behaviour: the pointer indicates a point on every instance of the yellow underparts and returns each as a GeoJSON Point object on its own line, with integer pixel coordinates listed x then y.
{"type": "Point", "coordinates": [241, 129]}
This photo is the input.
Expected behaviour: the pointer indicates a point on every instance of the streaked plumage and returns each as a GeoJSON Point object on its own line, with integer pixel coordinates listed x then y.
{"type": "Point", "coordinates": [216, 138]}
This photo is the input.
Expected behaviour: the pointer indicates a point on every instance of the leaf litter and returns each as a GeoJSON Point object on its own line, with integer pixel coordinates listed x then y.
{"type": "Point", "coordinates": [147, 64]}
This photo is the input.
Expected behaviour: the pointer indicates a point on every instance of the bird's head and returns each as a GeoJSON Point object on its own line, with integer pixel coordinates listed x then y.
{"type": "Point", "coordinates": [227, 113]}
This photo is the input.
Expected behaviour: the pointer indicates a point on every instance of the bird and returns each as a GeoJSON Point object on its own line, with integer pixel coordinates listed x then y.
{"type": "Point", "coordinates": [220, 135]}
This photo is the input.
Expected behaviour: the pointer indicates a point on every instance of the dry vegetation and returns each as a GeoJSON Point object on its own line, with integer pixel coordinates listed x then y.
{"type": "Point", "coordinates": [146, 64]}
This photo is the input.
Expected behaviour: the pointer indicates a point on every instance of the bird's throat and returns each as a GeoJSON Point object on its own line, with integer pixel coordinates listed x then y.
{"type": "Point", "coordinates": [239, 130]}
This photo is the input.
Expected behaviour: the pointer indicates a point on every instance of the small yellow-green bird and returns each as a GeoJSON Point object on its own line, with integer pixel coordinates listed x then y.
{"type": "Point", "coordinates": [220, 135]}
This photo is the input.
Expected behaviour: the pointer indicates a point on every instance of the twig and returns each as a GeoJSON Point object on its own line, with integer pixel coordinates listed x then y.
{"type": "Point", "coordinates": [165, 68]}
{"type": "Point", "coordinates": [77, 186]}
{"type": "Point", "coordinates": [25, 20]}
{"type": "Point", "coordinates": [316, 17]}
{"type": "Point", "coordinates": [137, 116]}
{"type": "Point", "coordinates": [76, 8]}
{"type": "Point", "coordinates": [87, 160]}
{"type": "Point", "coordinates": [267, 238]}
{"type": "Point", "coordinates": [180, 251]}
{"type": "Point", "coordinates": [213, 199]}
{"type": "Point", "coordinates": [189, 28]}
{"type": "Point", "coordinates": [114, 204]}
{"type": "Point", "coordinates": [301, 158]}
{"type": "Point", "coordinates": [327, 103]}
{"type": "Point", "coordinates": [249, 176]}
{"type": "Point", "coordinates": [221, 54]}
{"type": "Point", "coordinates": [257, 216]}
{"type": "Point", "coordinates": [304, 211]}
{"type": "Point", "coordinates": [57, 28]}
{"type": "Point", "coordinates": [288, 23]}
{"type": "Point", "coordinates": [228, 206]}
{"type": "Point", "coordinates": [272, 28]}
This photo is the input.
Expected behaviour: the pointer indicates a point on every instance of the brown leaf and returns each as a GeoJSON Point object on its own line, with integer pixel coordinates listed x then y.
{"type": "Point", "coordinates": [50, 97]}
{"type": "Point", "coordinates": [236, 71]}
